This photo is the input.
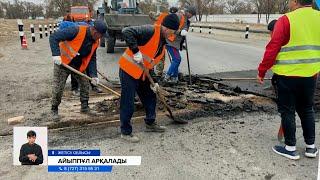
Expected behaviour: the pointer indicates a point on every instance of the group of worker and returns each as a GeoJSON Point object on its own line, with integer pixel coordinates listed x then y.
{"type": "Point", "coordinates": [76, 47]}
{"type": "Point", "coordinates": [293, 54]}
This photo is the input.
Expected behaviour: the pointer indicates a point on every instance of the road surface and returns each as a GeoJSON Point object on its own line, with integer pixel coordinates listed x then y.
{"type": "Point", "coordinates": [207, 56]}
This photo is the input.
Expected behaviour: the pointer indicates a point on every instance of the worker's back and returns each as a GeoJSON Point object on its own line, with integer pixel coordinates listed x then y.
{"type": "Point", "coordinates": [304, 26]}
{"type": "Point", "coordinates": [301, 55]}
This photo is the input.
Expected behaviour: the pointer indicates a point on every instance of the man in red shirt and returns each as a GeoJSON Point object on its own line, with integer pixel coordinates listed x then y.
{"type": "Point", "coordinates": [293, 53]}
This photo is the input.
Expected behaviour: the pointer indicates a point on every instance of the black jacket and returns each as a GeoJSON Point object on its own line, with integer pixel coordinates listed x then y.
{"type": "Point", "coordinates": [27, 149]}
{"type": "Point", "coordinates": [139, 35]}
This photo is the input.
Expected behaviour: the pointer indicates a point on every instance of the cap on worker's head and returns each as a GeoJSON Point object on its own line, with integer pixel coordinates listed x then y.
{"type": "Point", "coordinates": [173, 10]}
{"type": "Point", "coordinates": [100, 26]}
{"type": "Point", "coordinates": [171, 21]}
{"type": "Point", "coordinates": [191, 9]}
{"type": "Point", "coordinates": [271, 25]}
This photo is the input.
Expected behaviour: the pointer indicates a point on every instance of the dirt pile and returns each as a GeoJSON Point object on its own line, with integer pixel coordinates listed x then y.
{"type": "Point", "coordinates": [205, 97]}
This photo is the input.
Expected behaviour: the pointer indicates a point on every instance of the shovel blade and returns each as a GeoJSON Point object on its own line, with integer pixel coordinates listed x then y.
{"type": "Point", "coordinates": [280, 134]}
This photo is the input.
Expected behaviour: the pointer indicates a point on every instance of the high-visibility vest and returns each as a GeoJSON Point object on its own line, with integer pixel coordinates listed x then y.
{"type": "Point", "coordinates": [182, 21]}
{"type": "Point", "coordinates": [149, 51]}
{"type": "Point", "coordinates": [70, 49]}
{"type": "Point", "coordinates": [301, 56]}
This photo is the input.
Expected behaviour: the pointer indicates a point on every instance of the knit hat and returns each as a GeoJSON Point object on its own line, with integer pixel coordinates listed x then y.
{"type": "Point", "coordinates": [173, 10]}
{"type": "Point", "coordinates": [100, 26]}
{"type": "Point", "coordinates": [171, 21]}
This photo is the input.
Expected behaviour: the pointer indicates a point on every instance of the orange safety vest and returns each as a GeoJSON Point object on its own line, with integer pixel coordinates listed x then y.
{"type": "Point", "coordinates": [69, 49]}
{"type": "Point", "coordinates": [182, 21]}
{"type": "Point", "coordinates": [148, 51]}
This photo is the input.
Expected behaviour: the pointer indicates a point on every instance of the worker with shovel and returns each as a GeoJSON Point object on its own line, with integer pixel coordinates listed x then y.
{"type": "Point", "coordinates": [146, 48]}
{"type": "Point", "coordinates": [294, 56]}
{"type": "Point", "coordinates": [76, 47]}
{"type": "Point", "coordinates": [175, 43]}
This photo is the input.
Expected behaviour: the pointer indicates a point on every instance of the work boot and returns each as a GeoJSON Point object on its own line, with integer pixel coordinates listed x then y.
{"type": "Point", "coordinates": [154, 127]}
{"type": "Point", "coordinates": [96, 89]}
{"type": "Point", "coordinates": [85, 107]}
{"type": "Point", "coordinates": [76, 92]}
{"type": "Point", "coordinates": [166, 78]}
{"type": "Point", "coordinates": [130, 138]}
{"type": "Point", "coordinates": [166, 81]}
{"type": "Point", "coordinates": [311, 152]}
{"type": "Point", "coordinates": [174, 80]}
{"type": "Point", "coordinates": [54, 114]}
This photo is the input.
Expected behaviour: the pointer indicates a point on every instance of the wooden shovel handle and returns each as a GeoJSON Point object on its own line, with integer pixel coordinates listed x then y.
{"type": "Point", "coordinates": [89, 78]}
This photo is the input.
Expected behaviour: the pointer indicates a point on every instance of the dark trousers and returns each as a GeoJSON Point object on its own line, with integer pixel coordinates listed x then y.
{"type": "Point", "coordinates": [74, 83]}
{"type": "Point", "coordinates": [296, 95]}
{"type": "Point", "coordinates": [129, 87]}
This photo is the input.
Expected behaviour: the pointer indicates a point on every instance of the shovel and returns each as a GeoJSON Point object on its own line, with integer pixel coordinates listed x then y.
{"type": "Point", "coordinates": [187, 51]}
{"type": "Point", "coordinates": [90, 79]}
{"type": "Point", "coordinates": [115, 83]}
{"type": "Point", "coordinates": [161, 97]}
{"type": "Point", "coordinates": [280, 134]}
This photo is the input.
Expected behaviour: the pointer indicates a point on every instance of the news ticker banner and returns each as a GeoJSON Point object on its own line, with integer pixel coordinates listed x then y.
{"type": "Point", "coordinates": [87, 161]}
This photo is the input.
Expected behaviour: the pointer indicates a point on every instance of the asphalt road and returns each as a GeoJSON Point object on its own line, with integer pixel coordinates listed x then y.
{"type": "Point", "coordinates": [206, 55]}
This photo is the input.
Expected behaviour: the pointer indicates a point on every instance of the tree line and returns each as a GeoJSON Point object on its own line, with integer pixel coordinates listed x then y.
{"type": "Point", "coordinates": [210, 7]}
{"type": "Point", "coordinates": [48, 9]}
{"type": "Point", "coordinates": [20, 9]}
{"type": "Point", "coordinates": [58, 8]}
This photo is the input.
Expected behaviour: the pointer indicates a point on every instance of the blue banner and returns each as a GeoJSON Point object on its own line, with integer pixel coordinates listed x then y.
{"type": "Point", "coordinates": [73, 152]}
{"type": "Point", "coordinates": [79, 168]}
{"type": "Point", "coordinates": [318, 4]}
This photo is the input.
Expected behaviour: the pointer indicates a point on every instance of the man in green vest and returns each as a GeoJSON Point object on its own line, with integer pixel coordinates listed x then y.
{"type": "Point", "coordinates": [293, 54]}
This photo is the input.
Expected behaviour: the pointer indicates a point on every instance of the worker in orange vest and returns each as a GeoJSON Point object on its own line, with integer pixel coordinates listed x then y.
{"type": "Point", "coordinates": [175, 44]}
{"type": "Point", "coordinates": [146, 47]}
{"type": "Point", "coordinates": [75, 46]}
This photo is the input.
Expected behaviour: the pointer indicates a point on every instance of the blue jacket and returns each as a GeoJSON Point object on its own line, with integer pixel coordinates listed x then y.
{"type": "Point", "coordinates": [68, 34]}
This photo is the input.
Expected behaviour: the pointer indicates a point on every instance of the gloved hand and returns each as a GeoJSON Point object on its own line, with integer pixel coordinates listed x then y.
{"type": "Point", "coordinates": [95, 81]}
{"type": "Point", "coordinates": [155, 88]}
{"type": "Point", "coordinates": [184, 32]}
{"type": "Point", "coordinates": [57, 60]}
{"type": "Point", "coordinates": [138, 57]}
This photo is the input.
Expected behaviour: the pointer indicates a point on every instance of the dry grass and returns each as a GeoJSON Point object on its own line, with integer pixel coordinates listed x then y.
{"type": "Point", "coordinates": [9, 27]}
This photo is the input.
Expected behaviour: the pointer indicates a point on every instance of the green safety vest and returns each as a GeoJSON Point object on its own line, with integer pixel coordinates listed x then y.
{"type": "Point", "coordinates": [301, 56]}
